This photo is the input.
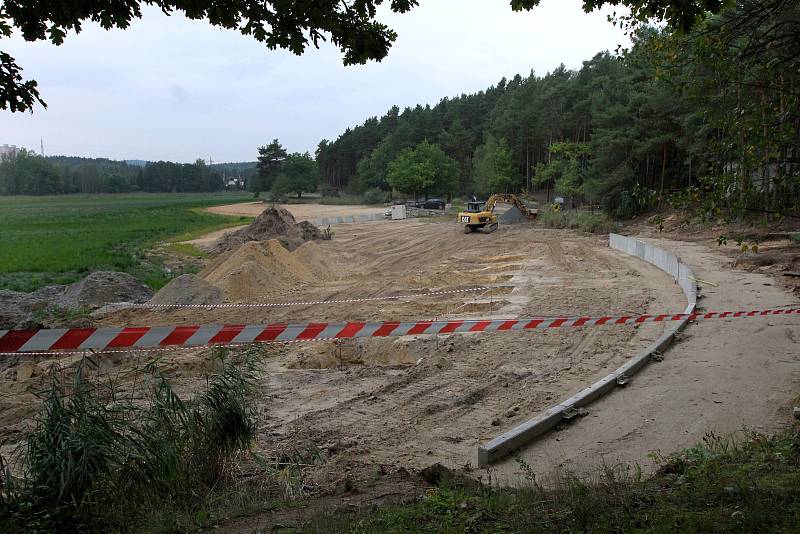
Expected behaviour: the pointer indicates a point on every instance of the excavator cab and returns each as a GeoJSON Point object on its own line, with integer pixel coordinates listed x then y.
{"type": "Point", "coordinates": [481, 215]}
{"type": "Point", "coordinates": [478, 216]}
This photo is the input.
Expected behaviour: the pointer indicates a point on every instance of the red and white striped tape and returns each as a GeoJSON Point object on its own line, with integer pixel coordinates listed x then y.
{"type": "Point", "coordinates": [306, 302]}
{"type": "Point", "coordinates": [61, 339]}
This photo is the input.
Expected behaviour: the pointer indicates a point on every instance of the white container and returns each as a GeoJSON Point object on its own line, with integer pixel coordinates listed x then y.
{"type": "Point", "coordinates": [398, 212]}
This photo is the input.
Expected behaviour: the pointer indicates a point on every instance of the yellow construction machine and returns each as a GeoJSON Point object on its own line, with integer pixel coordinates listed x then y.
{"type": "Point", "coordinates": [481, 215]}
{"type": "Point", "coordinates": [478, 217]}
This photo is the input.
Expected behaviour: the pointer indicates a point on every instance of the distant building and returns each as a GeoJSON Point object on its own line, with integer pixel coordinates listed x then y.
{"type": "Point", "coordinates": [8, 151]}
{"type": "Point", "coordinates": [234, 184]}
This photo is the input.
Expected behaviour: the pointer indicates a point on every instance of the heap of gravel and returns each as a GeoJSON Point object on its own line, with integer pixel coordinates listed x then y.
{"type": "Point", "coordinates": [273, 223]}
{"type": "Point", "coordinates": [189, 289]}
{"type": "Point", "coordinates": [103, 287]}
{"type": "Point", "coordinates": [18, 310]}
{"type": "Point", "coordinates": [513, 216]}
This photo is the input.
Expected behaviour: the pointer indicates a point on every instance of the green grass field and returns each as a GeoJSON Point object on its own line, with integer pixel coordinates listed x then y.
{"type": "Point", "coordinates": [58, 239]}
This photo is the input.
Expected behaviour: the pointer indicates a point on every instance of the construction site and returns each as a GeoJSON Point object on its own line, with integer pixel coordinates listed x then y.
{"type": "Point", "coordinates": [368, 413]}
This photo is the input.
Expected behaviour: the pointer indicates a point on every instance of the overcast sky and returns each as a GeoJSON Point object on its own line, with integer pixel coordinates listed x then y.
{"type": "Point", "coordinates": [168, 88]}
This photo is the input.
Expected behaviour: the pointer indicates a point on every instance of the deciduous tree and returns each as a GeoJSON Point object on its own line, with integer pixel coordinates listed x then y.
{"type": "Point", "coordinates": [423, 170]}
{"type": "Point", "coordinates": [298, 174]}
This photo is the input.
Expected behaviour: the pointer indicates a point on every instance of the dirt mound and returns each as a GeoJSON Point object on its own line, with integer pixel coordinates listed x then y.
{"type": "Point", "coordinates": [103, 287]}
{"type": "Point", "coordinates": [189, 289]}
{"type": "Point", "coordinates": [13, 309]}
{"type": "Point", "coordinates": [257, 270]}
{"type": "Point", "coordinates": [314, 259]}
{"type": "Point", "coordinates": [44, 307]}
{"type": "Point", "coordinates": [273, 223]}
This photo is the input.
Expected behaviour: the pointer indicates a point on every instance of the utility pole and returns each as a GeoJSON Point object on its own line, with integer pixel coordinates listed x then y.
{"type": "Point", "coordinates": [41, 146]}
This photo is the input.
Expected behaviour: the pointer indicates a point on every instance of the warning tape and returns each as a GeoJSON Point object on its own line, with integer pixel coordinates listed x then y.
{"type": "Point", "coordinates": [62, 339]}
{"type": "Point", "coordinates": [308, 302]}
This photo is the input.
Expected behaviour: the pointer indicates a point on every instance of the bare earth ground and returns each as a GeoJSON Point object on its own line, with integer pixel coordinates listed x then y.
{"type": "Point", "coordinates": [722, 376]}
{"type": "Point", "coordinates": [300, 211]}
{"type": "Point", "coordinates": [373, 410]}
{"type": "Point", "coordinates": [411, 402]}
{"type": "Point", "coordinates": [208, 240]}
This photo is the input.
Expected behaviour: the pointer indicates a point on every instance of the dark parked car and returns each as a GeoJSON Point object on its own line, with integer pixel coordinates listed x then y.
{"type": "Point", "coordinates": [434, 204]}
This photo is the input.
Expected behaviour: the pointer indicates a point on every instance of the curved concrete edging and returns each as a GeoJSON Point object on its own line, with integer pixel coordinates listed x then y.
{"type": "Point", "coordinates": [349, 219]}
{"type": "Point", "coordinates": [515, 438]}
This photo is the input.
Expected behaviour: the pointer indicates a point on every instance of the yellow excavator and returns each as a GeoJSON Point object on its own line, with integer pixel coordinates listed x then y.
{"type": "Point", "coordinates": [481, 215]}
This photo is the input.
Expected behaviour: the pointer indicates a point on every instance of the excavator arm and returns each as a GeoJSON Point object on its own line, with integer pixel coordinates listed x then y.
{"type": "Point", "coordinates": [508, 198]}
{"type": "Point", "coordinates": [477, 218]}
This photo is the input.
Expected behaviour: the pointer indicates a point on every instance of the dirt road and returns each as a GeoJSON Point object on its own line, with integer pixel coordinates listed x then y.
{"type": "Point", "coordinates": [722, 377]}
{"type": "Point", "coordinates": [301, 212]}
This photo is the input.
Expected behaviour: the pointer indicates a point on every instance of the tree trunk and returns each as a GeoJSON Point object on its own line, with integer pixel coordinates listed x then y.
{"type": "Point", "coordinates": [527, 166]}
{"type": "Point", "coordinates": [663, 172]}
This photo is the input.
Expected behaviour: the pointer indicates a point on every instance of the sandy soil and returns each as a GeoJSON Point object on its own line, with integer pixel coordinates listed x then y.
{"type": "Point", "coordinates": [408, 403]}
{"type": "Point", "coordinates": [300, 211]}
{"type": "Point", "coordinates": [412, 402]}
{"type": "Point", "coordinates": [210, 239]}
{"type": "Point", "coordinates": [377, 409]}
{"type": "Point", "coordinates": [722, 376]}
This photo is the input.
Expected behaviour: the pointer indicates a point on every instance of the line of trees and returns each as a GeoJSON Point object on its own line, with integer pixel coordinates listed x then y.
{"type": "Point", "coordinates": [708, 117]}
{"type": "Point", "coordinates": [31, 174]}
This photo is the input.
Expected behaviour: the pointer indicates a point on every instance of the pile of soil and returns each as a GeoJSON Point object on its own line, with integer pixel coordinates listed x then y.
{"type": "Point", "coordinates": [188, 289]}
{"type": "Point", "coordinates": [103, 287]}
{"type": "Point", "coordinates": [255, 270]}
{"type": "Point", "coordinates": [273, 223]}
{"type": "Point", "coordinates": [49, 306]}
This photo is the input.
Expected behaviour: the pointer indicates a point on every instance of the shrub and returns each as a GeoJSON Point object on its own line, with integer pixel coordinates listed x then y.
{"type": "Point", "coordinates": [327, 190]}
{"type": "Point", "coordinates": [374, 196]}
{"type": "Point", "coordinates": [96, 457]}
{"type": "Point", "coordinates": [594, 223]}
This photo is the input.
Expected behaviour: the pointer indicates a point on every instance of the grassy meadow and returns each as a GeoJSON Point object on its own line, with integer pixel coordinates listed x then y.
{"type": "Point", "coordinates": [59, 239]}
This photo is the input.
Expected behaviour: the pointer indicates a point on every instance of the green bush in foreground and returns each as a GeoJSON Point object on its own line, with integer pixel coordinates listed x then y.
{"type": "Point", "coordinates": [97, 459]}
{"type": "Point", "coordinates": [593, 223]}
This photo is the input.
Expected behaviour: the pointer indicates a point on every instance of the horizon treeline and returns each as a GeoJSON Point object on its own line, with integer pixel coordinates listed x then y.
{"type": "Point", "coordinates": [709, 119]}
{"type": "Point", "coordinates": [31, 174]}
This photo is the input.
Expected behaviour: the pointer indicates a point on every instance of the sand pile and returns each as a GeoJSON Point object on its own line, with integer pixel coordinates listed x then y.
{"type": "Point", "coordinates": [189, 289]}
{"type": "Point", "coordinates": [256, 271]}
{"type": "Point", "coordinates": [311, 255]}
{"type": "Point", "coordinates": [273, 223]}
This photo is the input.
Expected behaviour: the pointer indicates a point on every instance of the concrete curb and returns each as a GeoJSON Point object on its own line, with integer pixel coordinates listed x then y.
{"type": "Point", "coordinates": [349, 219]}
{"type": "Point", "coordinates": [523, 434]}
